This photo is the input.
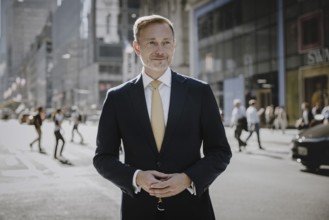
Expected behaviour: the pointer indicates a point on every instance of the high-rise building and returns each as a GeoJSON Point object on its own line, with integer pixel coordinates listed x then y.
{"type": "Point", "coordinates": [90, 38]}
{"type": "Point", "coordinates": [21, 22]}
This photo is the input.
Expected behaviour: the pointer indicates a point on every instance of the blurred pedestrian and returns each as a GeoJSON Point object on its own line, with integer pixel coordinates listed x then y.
{"type": "Point", "coordinates": [269, 116]}
{"type": "Point", "coordinates": [76, 118]}
{"type": "Point", "coordinates": [316, 110]}
{"type": "Point", "coordinates": [307, 118]}
{"type": "Point", "coordinates": [163, 119]}
{"type": "Point", "coordinates": [254, 121]}
{"type": "Point", "coordinates": [58, 120]}
{"type": "Point", "coordinates": [239, 121]}
{"type": "Point", "coordinates": [325, 113]}
{"type": "Point", "coordinates": [281, 120]}
{"type": "Point", "coordinates": [38, 117]}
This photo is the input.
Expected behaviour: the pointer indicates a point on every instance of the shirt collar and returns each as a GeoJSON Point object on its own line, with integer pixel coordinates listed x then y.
{"type": "Point", "coordinates": [165, 78]}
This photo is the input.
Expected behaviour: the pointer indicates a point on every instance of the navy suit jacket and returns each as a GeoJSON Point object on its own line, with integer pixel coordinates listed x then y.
{"type": "Point", "coordinates": [194, 143]}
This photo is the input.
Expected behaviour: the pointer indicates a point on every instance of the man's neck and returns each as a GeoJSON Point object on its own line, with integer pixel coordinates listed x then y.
{"type": "Point", "coordinates": [154, 74]}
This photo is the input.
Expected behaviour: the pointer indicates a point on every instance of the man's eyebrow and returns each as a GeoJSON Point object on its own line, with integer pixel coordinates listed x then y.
{"type": "Point", "coordinates": [152, 38]}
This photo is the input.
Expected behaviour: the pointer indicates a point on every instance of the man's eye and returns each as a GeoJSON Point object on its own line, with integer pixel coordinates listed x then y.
{"type": "Point", "coordinates": [167, 44]}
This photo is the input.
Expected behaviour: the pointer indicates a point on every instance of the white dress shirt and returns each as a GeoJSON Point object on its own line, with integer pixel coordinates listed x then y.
{"type": "Point", "coordinates": [164, 90]}
{"type": "Point", "coordinates": [237, 113]}
{"type": "Point", "coordinates": [252, 115]}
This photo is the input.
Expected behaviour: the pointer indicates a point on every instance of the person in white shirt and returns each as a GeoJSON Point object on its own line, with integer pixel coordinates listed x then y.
{"type": "Point", "coordinates": [281, 120]}
{"type": "Point", "coordinates": [253, 121]}
{"type": "Point", "coordinates": [58, 120]}
{"type": "Point", "coordinates": [307, 116]}
{"type": "Point", "coordinates": [76, 118]}
{"type": "Point", "coordinates": [238, 120]}
{"type": "Point", "coordinates": [269, 116]}
{"type": "Point", "coordinates": [325, 113]}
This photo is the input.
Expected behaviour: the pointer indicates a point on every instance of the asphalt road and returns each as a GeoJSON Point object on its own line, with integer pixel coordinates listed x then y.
{"type": "Point", "coordinates": [256, 185]}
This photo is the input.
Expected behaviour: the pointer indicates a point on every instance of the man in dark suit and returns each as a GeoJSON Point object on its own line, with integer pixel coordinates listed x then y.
{"type": "Point", "coordinates": [164, 174]}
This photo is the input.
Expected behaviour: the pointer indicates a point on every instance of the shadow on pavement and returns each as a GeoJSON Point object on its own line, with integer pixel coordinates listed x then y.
{"type": "Point", "coordinates": [65, 162]}
{"type": "Point", "coordinates": [266, 155]}
{"type": "Point", "coordinates": [321, 171]}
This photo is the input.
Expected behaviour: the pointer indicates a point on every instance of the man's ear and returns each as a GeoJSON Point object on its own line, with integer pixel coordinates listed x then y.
{"type": "Point", "coordinates": [136, 48]}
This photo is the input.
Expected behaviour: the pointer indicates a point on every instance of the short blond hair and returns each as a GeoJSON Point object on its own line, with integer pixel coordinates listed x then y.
{"type": "Point", "coordinates": [144, 21]}
{"type": "Point", "coordinates": [236, 102]}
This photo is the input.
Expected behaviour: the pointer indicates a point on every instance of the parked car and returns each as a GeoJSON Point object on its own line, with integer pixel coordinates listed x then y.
{"type": "Point", "coordinates": [26, 118]}
{"type": "Point", "coordinates": [311, 147]}
{"type": "Point", "coordinates": [6, 113]}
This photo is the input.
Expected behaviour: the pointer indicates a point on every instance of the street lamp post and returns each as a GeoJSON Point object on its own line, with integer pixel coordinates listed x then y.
{"type": "Point", "coordinates": [76, 90]}
{"type": "Point", "coordinates": [68, 57]}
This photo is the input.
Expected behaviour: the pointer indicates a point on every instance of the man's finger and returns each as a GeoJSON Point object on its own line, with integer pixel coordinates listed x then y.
{"type": "Point", "coordinates": [160, 185]}
{"type": "Point", "coordinates": [159, 174]}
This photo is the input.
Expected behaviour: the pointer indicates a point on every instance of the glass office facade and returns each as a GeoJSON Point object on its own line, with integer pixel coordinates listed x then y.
{"type": "Point", "coordinates": [239, 40]}
{"type": "Point", "coordinates": [307, 53]}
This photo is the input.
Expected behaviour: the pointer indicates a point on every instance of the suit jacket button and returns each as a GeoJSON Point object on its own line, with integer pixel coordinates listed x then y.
{"type": "Point", "coordinates": [158, 163]}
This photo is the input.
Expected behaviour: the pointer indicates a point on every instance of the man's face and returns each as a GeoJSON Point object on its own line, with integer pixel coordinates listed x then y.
{"type": "Point", "coordinates": [155, 47]}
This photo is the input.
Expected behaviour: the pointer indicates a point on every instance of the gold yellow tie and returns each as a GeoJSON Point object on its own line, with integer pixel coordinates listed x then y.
{"type": "Point", "coordinates": [157, 116]}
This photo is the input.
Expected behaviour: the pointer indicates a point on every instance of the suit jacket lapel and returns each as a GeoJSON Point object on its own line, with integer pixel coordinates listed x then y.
{"type": "Point", "coordinates": [177, 100]}
{"type": "Point", "coordinates": [137, 97]}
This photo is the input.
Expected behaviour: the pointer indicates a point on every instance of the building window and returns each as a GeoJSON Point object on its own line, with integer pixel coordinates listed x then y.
{"type": "Point", "coordinates": [108, 24]}
{"type": "Point", "coordinates": [109, 69]}
{"type": "Point", "coordinates": [132, 17]}
{"type": "Point", "coordinates": [133, 4]}
{"type": "Point", "coordinates": [104, 85]}
{"type": "Point", "coordinates": [263, 44]}
{"type": "Point", "coordinates": [105, 69]}
{"type": "Point", "coordinates": [106, 50]}
{"type": "Point", "coordinates": [291, 45]}
{"type": "Point", "coordinates": [49, 46]}
{"type": "Point", "coordinates": [209, 62]}
{"type": "Point", "coordinates": [310, 31]}
{"type": "Point", "coordinates": [228, 16]}
{"type": "Point", "coordinates": [205, 26]}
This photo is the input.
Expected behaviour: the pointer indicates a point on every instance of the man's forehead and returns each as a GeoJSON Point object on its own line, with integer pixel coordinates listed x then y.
{"type": "Point", "coordinates": [161, 28]}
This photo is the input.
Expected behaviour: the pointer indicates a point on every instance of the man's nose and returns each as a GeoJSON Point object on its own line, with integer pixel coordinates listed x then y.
{"type": "Point", "coordinates": [159, 48]}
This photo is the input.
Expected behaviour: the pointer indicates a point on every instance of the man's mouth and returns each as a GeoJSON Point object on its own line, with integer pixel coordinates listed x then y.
{"type": "Point", "coordinates": [158, 58]}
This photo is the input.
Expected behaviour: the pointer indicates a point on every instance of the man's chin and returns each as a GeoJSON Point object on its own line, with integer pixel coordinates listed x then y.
{"type": "Point", "coordinates": [159, 68]}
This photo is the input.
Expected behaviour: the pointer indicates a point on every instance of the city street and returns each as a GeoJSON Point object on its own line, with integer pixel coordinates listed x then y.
{"type": "Point", "coordinates": [257, 185]}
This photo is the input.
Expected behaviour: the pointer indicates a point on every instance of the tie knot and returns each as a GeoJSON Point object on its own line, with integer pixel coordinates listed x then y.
{"type": "Point", "coordinates": [155, 84]}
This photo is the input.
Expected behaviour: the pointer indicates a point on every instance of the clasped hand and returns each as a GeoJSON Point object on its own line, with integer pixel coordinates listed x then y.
{"type": "Point", "coordinates": [162, 185]}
